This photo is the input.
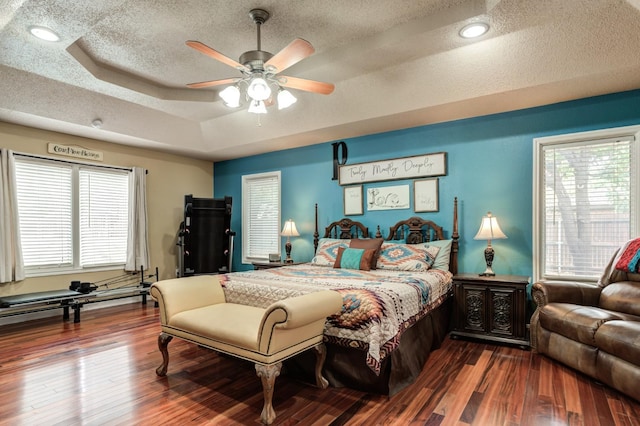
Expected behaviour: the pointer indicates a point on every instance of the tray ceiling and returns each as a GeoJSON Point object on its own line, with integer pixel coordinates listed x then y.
{"type": "Point", "coordinates": [395, 64]}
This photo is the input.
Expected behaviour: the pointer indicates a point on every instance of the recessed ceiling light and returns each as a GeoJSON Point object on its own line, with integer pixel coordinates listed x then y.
{"type": "Point", "coordinates": [44, 33]}
{"type": "Point", "coordinates": [475, 29]}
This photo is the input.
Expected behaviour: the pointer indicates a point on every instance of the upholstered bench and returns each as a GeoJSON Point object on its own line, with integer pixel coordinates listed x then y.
{"type": "Point", "coordinates": [194, 309]}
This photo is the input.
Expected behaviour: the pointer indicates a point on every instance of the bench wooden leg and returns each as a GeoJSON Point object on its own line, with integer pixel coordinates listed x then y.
{"type": "Point", "coordinates": [268, 374]}
{"type": "Point", "coordinates": [321, 355]}
{"type": "Point", "coordinates": [163, 342]}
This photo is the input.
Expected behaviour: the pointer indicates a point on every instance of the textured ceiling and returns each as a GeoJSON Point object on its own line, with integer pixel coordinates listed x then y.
{"type": "Point", "coordinates": [395, 64]}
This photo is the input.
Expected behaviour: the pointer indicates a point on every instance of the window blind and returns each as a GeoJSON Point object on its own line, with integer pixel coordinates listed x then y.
{"type": "Point", "coordinates": [103, 208]}
{"type": "Point", "coordinates": [71, 216]}
{"type": "Point", "coordinates": [261, 216]}
{"type": "Point", "coordinates": [44, 208]}
{"type": "Point", "coordinates": [588, 205]}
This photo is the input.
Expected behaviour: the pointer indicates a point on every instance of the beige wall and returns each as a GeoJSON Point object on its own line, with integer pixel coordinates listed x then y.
{"type": "Point", "coordinates": [170, 178]}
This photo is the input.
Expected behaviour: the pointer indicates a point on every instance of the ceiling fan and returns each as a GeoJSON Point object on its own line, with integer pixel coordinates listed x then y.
{"type": "Point", "coordinates": [261, 73]}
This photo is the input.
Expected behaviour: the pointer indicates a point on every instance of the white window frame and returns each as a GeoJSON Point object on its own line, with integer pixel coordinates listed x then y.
{"type": "Point", "coordinates": [246, 217]}
{"type": "Point", "coordinates": [538, 187]}
{"type": "Point", "coordinates": [75, 265]}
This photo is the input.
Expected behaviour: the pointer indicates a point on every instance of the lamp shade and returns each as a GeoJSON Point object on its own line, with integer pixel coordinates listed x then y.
{"type": "Point", "coordinates": [231, 96]}
{"type": "Point", "coordinates": [285, 99]}
{"type": "Point", "coordinates": [489, 229]}
{"type": "Point", "coordinates": [290, 229]}
{"type": "Point", "coordinates": [258, 89]}
{"type": "Point", "coordinates": [257, 107]}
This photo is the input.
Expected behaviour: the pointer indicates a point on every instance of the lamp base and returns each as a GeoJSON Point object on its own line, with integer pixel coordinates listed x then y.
{"type": "Point", "coordinates": [287, 248]}
{"type": "Point", "coordinates": [488, 257]}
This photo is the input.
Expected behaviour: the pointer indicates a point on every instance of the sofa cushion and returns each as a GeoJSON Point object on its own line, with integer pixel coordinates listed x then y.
{"type": "Point", "coordinates": [575, 322]}
{"type": "Point", "coordinates": [237, 325]}
{"type": "Point", "coordinates": [620, 338]}
{"type": "Point", "coordinates": [623, 296]}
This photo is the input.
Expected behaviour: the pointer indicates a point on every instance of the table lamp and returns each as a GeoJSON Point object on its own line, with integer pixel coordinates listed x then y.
{"type": "Point", "coordinates": [489, 230]}
{"type": "Point", "coordinates": [288, 231]}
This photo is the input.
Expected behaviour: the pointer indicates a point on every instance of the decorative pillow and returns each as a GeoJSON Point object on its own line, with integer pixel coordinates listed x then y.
{"type": "Point", "coordinates": [628, 259]}
{"type": "Point", "coordinates": [406, 257]}
{"type": "Point", "coordinates": [371, 243]}
{"type": "Point", "coordinates": [328, 251]}
{"type": "Point", "coordinates": [444, 255]}
{"type": "Point", "coordinates": [354, 258]}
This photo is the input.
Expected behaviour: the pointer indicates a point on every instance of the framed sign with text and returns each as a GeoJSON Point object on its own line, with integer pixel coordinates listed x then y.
{"type": "Point", "coordinates": [388, 198]}
{"type": "Point", "coordinates": [397, 168]}
{"type": "Point", "coordinates": [425, 195]}
{"type": "Point", "coordinates": [352, 200]}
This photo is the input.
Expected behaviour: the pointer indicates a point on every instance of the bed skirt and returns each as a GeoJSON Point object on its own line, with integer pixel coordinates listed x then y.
{"type": "Point", "coordinates": [346, 367]}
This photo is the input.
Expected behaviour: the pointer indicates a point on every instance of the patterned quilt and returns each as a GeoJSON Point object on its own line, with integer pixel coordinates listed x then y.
{"type": "Point", "coordinates": [378, 305]}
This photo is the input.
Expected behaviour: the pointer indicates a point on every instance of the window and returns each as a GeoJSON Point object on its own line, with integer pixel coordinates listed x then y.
{"type": "Point", "coordinates": [585, 201]}
{"type": "Point", "coordinates": [260, 216]}
{"type": "Point", "coordinates": [72, 216]}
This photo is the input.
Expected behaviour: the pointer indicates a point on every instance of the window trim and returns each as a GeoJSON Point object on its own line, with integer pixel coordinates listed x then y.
{"type": "Point", "coordinates": [564, 139]}
{"type": "Point", "coordinates": [75, 267]}
{"type": "Point", "coordinates": [245, 213]}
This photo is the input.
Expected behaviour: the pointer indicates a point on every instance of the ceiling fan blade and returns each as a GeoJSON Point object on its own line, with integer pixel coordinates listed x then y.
{"type": "Point", "coordinates": [211, 83]}
{"type": "Point", "coordinates": [306, 85]}
{"type": "Point", "coordinates": [203, 48]}
{"type": "Point", "coordinates": [295, 51]}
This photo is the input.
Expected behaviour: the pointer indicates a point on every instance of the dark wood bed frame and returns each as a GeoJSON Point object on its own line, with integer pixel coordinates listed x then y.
{"type": "Point", "coordinates": [414, 230]}
{"type": "Point", "coordinates": [346, 367]}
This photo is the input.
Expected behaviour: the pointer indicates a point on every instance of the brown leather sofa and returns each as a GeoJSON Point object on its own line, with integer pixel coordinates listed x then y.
{"type": "Point", "coordinates": [594, 329]}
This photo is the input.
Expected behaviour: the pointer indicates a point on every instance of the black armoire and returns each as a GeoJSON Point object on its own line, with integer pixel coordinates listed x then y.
{"type": "Point", "coordinates": [206, 239]}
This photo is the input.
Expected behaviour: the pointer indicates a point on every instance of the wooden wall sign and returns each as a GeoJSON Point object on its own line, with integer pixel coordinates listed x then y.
{"type": "Point", "coordinates": [74, 151]}
{"type": "Point", "coordinates": [397, 168]}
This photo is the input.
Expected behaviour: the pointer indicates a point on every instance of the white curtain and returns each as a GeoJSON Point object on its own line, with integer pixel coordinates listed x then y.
{"type": "Point", "coordinates": [137, 241]}
{"type": "Point", "coordinates": [11, 262]}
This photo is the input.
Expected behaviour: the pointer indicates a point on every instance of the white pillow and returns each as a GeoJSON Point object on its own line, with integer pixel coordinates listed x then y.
{"type": "Point", "coordinates": [442, 259]}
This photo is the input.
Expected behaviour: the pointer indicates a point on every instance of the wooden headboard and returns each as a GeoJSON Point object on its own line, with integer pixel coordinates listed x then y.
{"type": "Point", "coordinates": [414, 230]}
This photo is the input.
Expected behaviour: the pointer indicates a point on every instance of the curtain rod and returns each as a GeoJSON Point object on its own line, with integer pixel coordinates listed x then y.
{"type": "Point", "coordinates": [44, 157]}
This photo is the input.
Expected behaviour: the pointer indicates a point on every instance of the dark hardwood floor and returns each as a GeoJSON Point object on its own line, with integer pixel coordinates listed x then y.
{"type": "Point", "coordinates": [102, 372]}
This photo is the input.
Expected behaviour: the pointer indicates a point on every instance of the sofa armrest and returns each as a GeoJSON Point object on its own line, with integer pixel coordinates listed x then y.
{"type": "Point", "coordinates": [296, 312]}
{"type": "Point", "coordinates": [183, 294]}
{"type": "Point", "coordinates": [575, 292]}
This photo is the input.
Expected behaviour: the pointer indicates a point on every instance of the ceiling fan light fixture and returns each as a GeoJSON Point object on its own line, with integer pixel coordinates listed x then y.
{"type": "Point", "coordinates": [257, 107]}
{"type": "Point", "coordinates": [258, 89]}
{"type": "Point", "coordinates": [231, 96]}
{"type": "Point", "coordinates": [474, 29]}
{"type": "Point", "coordinates": [260, 73]}
{"type": "Point", "coordinates": [43, 33]}
{"type": "Point", "coordinates": [285, 99]}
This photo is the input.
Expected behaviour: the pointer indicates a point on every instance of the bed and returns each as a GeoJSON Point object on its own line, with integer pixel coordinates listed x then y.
{"type": "Point", "coordinates": [393, 316]}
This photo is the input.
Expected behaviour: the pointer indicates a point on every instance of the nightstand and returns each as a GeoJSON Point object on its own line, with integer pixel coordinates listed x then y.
{"type": "Point", "coordinates": [491, 308]}
{"type": "Point", "coordinates": [269, 265]}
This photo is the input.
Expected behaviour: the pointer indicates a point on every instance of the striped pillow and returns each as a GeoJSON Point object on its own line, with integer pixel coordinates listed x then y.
{"type": "Point", "coordinates": [354, 258]}
{"type": "Point", "coordinates": [407, 257]}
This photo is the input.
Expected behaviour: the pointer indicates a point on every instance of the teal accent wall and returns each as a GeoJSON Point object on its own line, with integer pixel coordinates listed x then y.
{"type": "Point", "coordinates": [489, 168]}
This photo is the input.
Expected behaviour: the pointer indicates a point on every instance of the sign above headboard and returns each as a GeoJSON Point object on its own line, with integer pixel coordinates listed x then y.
{"type": "Point", "coordinates": [398, 168]}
